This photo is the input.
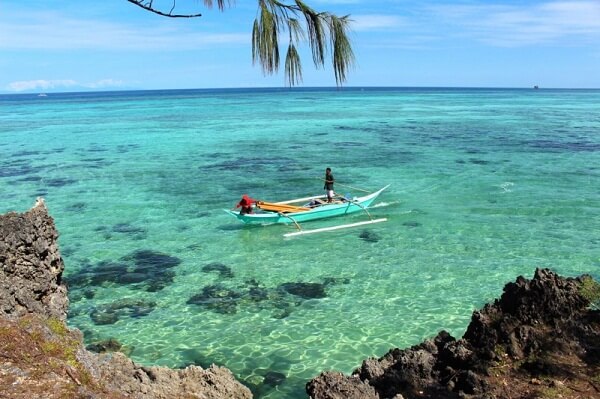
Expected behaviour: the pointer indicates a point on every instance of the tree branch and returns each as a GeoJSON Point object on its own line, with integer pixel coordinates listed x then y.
{"type": "Point", "coordinates": [149, 7]}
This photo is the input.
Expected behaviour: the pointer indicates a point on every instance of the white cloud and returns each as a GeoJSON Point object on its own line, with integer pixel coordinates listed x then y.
{"type": "Point", "coordinates": [57, 85]}
{"type": "Point", "coordinates": [511, 26]}
{"type": "Point", "coordinates": [53, 31]}
{"type": "Point", "coordinates": [104, 83]}
{"type": "Point", "coordinates": [368, 22]}
{"type": "Point", "coordinates": [40, 85]}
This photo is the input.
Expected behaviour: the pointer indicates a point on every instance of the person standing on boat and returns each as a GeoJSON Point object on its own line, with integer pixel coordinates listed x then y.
{"type": "Point", "coordinates": [246, 204]}
{"type": "Point", "coordinates": [329, 180]}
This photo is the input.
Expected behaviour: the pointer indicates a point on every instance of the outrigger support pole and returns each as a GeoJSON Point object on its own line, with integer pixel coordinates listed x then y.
{"type": "Point", "coordinates": [362, 207]}
{"type": "Point", "coordinates": [292, 219]}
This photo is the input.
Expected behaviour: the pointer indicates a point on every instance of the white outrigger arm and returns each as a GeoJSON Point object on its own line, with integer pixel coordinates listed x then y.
{"type": "Point", "coordinates": [338, 227]}
{"type": "Point", "coordinates": [332, 228]}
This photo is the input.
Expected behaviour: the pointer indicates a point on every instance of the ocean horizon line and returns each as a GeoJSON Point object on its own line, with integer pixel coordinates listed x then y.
{"type": "Point", "coordinates": [291, 89]}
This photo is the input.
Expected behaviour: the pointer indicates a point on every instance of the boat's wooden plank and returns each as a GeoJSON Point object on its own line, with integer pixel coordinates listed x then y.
{"type": "Point", "coordinates": [269, 206]}
{"type": "Point", "coordinates": [338, 227]}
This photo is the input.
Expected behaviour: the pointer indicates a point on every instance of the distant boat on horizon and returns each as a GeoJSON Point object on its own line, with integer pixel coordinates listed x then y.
{"type": "Point", "coordinates": [536, 87]}
{"type": "Point", "coordinates": [42, 95]}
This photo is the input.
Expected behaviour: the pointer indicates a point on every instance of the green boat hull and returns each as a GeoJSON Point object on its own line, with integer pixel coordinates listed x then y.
{"type": "Point", "coordinates": [359, 204]}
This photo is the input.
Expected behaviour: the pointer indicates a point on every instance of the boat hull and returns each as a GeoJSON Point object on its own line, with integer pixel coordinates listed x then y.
{"type": "Point", "coordinates": [321, 212]}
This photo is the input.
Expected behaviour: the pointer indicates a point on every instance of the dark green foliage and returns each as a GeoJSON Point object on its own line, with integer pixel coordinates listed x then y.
{"type": "Point", "coordinates": [590, 290]}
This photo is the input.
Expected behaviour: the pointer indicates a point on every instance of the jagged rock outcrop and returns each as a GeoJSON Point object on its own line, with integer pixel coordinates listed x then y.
{"type": "Point", "coordinates": [125, 376]}
{"type": "Point", "coordinates": [30, 278]}
{"type": "Point", "coordinates": [41, 358]}
{"type": "Point", "coordinates": [527, 343]}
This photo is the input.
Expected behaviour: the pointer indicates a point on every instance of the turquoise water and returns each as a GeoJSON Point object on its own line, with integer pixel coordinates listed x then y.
{"type": "Point", "coordinates": [486, 185]}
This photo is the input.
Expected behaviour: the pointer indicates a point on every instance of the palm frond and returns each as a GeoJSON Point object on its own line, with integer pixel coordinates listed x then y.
{"type": "Point", "coordinates": [316, 32]}
{"type": "Point", "coordinates": [265, 42]}
{"type": "Point", "coordinates": [296, 31]}
{"type": "Point", "coordinates": [293, 66]}
{"type": "Point", "coordinates": [220, 3]}
{"type": "Point", "coordinates": [343, 55]}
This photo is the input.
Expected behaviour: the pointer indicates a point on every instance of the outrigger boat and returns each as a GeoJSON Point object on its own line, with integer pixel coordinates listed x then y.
{"type": "Point", "coordinates": [310, 208]}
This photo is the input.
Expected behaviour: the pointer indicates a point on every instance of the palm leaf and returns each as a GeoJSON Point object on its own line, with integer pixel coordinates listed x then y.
{"type": "Point", "coordinates": [316, 32]}
{"type": "Point", "coordinates": [220, 3]}
{"type": "Point", "coordinates": [265, 42]}
{"type": "Point", "coordinates": [293, 66]}
{"type": "Point", "coordinates": [343, 56]}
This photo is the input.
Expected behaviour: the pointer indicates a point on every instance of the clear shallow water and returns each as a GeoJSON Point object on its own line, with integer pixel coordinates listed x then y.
{"type": "Point", "coordinates": [486, 186]}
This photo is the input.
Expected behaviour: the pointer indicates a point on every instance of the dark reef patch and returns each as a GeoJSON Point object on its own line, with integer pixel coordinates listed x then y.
{"type": "Point", "coordinates": [107, 345]}
{"type": "Point", "coordinates": [107, 272]}
{"type": "Point", "coordinates": [224, 298]}
{"type": "Point", "coordinates": [112, 312]}
{"type": "Point", "coordinates": [305, 290]}
{"type": "Point", "coordinates": [249, 163]}
{"type": "Point", "coordinates": [195, 357]}
{"type": "Point", "coordinates": [335, 280]}
{"type": "Point", "coordinates": [93, 160]}
{"type": "Point", "coordinates": [59, 182]}
{"type": "Point", "coordinates": [256, 291]}
{"type": "Point", "coordinates": [67, 251]}
{"type": "Point", "coordinates": [127, 228]}
{"type": "Point", "coordinates": [220, 268]}
{"type": "Point", "coordinates": [15, 169]}
{"type": "Point", "coordinates": [89, 294]}
{"type": "Point", "coordinates": [25, 153]}
{"type": "Point", "coordinates": [346, 144]}
{"type": "Point", "coordinates": [142, 269]}
{"type": "Point", "coordinates": [478, 161]}
{"type": "Point", "coordinates": [148, 259]}
{"type": "Point", "coordinates": [559, 146]}
{"type": "Point", "coordinates": [369, 236]}
{"type": "Point", "coordinates": [96, 148]}
{"type": "Point", "coordinates": [95, 163]}
{"type": "Point", "coordinates": [411, 223]}
{"type": "Point", "coordinates": [217, 298]}
{"type": "Point", "coordinates": [76, 207]}
{"type": "Point", "coordinates": [274, 378]}
{"type": "Point", "coordinates": [123, 148]}
{"type": "Point", "coordinates": [26, 179]}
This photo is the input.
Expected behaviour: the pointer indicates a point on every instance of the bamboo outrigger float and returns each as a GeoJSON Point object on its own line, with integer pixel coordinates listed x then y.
{"type": "Point", "coordinates": [310, 208]}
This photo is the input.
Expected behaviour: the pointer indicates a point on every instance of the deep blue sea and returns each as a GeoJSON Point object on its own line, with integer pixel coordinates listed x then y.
{"type": "Point", "coordinates": [486, 185]}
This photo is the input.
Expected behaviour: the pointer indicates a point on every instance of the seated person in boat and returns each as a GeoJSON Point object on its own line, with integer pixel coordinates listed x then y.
{"type": "Point", "coordinates": [246, 204]}
{"type": "Point", "coordinates": [315, 202]}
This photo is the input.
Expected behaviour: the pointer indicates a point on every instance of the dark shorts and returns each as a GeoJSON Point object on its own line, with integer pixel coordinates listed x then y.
{"type": "Point", "coordinates": [246, 209]}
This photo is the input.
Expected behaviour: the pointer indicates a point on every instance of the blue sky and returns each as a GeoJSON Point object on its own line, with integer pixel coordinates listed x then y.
{"type": "Point", "coordinates": [65, 45]}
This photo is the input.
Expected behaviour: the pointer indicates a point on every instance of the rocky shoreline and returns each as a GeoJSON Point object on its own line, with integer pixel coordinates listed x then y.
{"type": "Point", "coordinates": [40, 357]}
{"type": "Point", "coordinates": [541, 339]}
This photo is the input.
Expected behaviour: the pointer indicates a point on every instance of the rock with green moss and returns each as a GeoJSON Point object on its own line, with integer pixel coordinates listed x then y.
{"type": "Point", "coordinates": [42, 358]}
